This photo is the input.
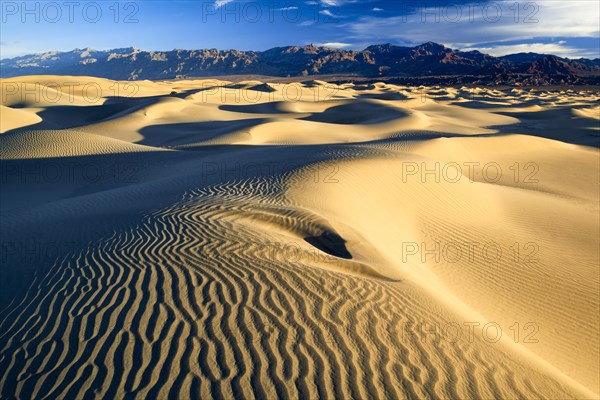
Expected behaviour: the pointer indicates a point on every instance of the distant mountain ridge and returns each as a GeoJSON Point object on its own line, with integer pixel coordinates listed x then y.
{"type": "Point", "coordinates": [385, 60]}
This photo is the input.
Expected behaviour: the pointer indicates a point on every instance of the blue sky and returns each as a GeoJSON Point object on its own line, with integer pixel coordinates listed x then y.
{"type": "Point", "coordinates": [565, 28]}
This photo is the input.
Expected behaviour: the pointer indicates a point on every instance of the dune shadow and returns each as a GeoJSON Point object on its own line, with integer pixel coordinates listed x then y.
{"type": "Point", "coordinates": [479, 104]}
{"type": "Point", "coordinates": [263, 87]}
{"type": "Point", "coordinates": [357, 113]}
{"type": "Point", "coordinates": [192, 133]}
{"type": "Point", "coordinates": [63, 116]}
{"type": "Point", "coordinates": [556, 124]}
{"type": "Point", "coordinates": [330, 243]}
{"type": "Point", "coordinates": [273, 107]}
{"type": "Point", "coordinates": [390, 96]}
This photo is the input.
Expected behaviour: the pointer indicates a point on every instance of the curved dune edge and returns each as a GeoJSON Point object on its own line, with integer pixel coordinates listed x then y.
{"type": "Point", "coordinates": [391, 213]}
{"type": "Point", "coordinates": [187, 245]}
{"type": "Point", "coordinates": [237, 248]}
{"type": "Point", "coordinates": [64, 143]}
{"type": "Point", "coordinates": [14, 118]}
{"type": "Point", "coordinates": [197, 112]}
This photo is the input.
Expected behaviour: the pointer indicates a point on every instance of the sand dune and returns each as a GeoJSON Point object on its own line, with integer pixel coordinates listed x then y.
{"type": "Point", "coordinates": [210, 239]}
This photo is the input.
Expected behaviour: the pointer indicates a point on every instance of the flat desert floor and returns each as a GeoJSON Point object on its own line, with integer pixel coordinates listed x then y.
{"type": "Point", "coordinates": [210, 239]}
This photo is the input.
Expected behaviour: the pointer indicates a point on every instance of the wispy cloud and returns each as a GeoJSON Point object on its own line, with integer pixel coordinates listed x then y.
{"type": "Point", "coordinates": [472, 24]}
{"type": "Point", "coordinates": [334, 45]}
{"type": "Point", "coordinates": [559, 49]}
{"type": "Point", "coordinates": [328, 13]}
{"type": "Point", "coordinates": [221, 3]}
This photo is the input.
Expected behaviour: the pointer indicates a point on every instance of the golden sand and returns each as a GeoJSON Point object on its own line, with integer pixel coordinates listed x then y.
{"type": "Point", "coordinates": [199, 239]}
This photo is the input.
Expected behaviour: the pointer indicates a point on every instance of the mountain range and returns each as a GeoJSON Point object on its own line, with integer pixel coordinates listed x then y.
{"type": "Point", "coordinates": [427, 62]}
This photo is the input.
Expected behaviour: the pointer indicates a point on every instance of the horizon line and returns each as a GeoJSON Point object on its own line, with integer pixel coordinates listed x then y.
{"type": "Point", "coordinates": [316, 45]}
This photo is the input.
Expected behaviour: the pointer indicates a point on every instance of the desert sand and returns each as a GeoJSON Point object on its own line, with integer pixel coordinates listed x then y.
{"type": "Point", "coordinates": [210, 239]}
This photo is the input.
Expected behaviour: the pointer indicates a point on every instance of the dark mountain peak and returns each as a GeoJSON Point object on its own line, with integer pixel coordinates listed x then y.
{"type": "Point", "coordinates": [44, 55]}
{"type": "Point", "coordinates": [87, 52]}
{"type": "Point", "coordinates": [123, 50]}
{"type": "Point", "coordinates": [432, 46]}
{"type": "Point", "coordinates": [308, 49]}
{"type": "Point", "coordinates": [381, 47]}
{"type": "Point", "coordinates": [431, 49]}
{"type": "Point", "coordinates": [387, 51]}
{"type": "Point", "coordinates": [554, 65]}
{"type": "Point", "coordinates": [549, 58]}
{"type": "Point", "coordinates": [523, 57]}
{"type": "Point", "coordinates": [528, 54]}
{"type": "Point", "coordinates": [429, 62]}
{"type": "Point", "coordinates": [592, 65]}
{"type": "Point", "coordinates": [478, 57]}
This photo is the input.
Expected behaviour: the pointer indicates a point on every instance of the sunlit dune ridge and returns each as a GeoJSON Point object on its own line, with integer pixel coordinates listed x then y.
{"type": "Point", "coordinates": [217, 239]}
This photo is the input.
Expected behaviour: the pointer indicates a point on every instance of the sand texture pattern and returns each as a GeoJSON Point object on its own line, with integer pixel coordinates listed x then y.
{"type": "Point", "coordinates": [208, 239]}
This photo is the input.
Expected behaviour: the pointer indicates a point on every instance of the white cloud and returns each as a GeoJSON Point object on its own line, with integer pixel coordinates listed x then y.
{"type": "Point", "coordinates": [471, 24]}
{"type": "Point", "coordinates": [328, 13]}
{"type": "Point", "coordinates": [544, 48]}
{"type": "Point", "coordinates": [334, 45]}
{"type": "Point", "coordinates": [221, 3]}
{"type": "Point", "coordinates": [377, 9]}
{"type": "Point", "coordinates": [336, 3]}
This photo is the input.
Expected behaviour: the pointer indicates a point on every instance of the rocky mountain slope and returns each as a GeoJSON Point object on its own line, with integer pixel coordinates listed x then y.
{"type": "Point", "coordinates": [427, 60]}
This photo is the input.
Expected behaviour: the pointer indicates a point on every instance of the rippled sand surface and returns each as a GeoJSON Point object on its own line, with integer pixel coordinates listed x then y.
{"type": "Point", "coordinates": [209, 239]}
